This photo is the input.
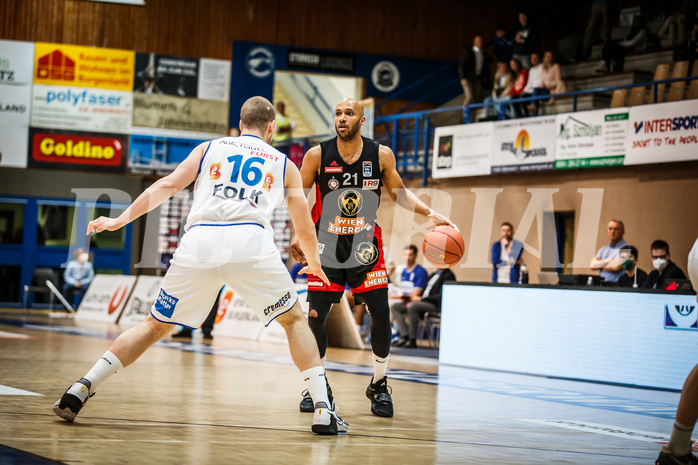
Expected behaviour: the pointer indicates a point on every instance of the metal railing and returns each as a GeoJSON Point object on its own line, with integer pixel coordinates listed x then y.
{"type": "Point", "coordinates": [410, 134]}
{"type": "Point", "coordinates": [313, 97]}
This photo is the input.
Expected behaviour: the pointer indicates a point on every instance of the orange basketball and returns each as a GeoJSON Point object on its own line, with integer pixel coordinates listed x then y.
{"type": "Point", "coordinates": [443, 246]}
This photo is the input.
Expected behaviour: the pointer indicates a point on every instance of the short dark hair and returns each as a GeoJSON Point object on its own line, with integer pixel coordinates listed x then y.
{"type": "Point", "coordinates": [257, 113]}
{"type": "Point", "coordinates": [632, 249]}
{"type": "Point", "coordinates": [506, 223]}
{"type": "Point", "coordinates": [413, 248]}
{"type": "Point", "coordinates": [660, 245]}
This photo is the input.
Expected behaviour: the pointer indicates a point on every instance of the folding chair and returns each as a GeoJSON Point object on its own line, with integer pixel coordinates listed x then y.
{"type": "Point", "coordinates": [38, 285]}
{"type": "Point", "coordinates": [618, 99]}
{"type": "Point", "coordinates": [676, 89]}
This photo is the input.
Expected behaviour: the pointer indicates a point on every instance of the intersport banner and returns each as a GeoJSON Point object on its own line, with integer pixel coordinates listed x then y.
{"type": "Point", "coordinates": [662, 132]}
{"type": "Point", "coordinates": [82, 109]}
{"type": "Point", "coordinates": [72, 65]}
{"type": "Point", "coordinates": [591, 139]}
{"type": "Point", "coordinates": [462, 150]}
{"type": "Point", "coordinates": [526, 144]}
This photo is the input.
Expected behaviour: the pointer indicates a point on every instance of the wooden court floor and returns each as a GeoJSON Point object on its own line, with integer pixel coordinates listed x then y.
{"type": "Point", "coordinates": [232, 401]}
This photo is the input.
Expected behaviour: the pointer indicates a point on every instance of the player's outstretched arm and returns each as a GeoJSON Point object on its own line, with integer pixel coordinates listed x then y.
{"type": "Point", "coordinates": [401, 194]}
{"type": "Point", "coordinates": [308, 172]}
{"type": "Point", "coordinates": [153, 196]}
{"type": "Point", "coordinates": [302, 222]}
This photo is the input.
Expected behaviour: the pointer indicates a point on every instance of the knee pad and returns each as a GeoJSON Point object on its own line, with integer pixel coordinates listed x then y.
{"type": "Point", "coordinates": [381, 332]}
{"type": "Point", "coordinates": [317, 319]}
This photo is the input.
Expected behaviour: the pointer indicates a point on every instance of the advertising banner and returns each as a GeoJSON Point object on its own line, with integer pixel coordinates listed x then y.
{"type": "Point", "coordinates": [72, 65]}
{"type": "Point", "coordinates": [13, 146]}
{"type": "Point", "coordinates": [15, 102]}
{"type": "Point", "coordinates": [662, 133]}
{"type": "Point", "coordinates": [591, 139]}
{"type": "Point", "coordinates": [526, 144]}
{"type": "Point", "coordinates": [181, 114]}
{"type": "Point", "coordinates": [235, 318]}
{"type": "Point", "coordinates": [82, 109]}
{"type": "Point", "coordinates": [214, 79]}
{"type": "Point", "coordinates": [160, 154]}
{"type": "Point", "coordinates": [16, 62]}
{"type": "Point", "coordinates": [96, 152]}
{"type": "Point", "coordinates": [462, 150]}
{"type": "Point", "coordinates": [105, 298]}
{"type": "Point", "coordinates": [16, 69]}
{"type": "Point", "coordinates": [144, 295]}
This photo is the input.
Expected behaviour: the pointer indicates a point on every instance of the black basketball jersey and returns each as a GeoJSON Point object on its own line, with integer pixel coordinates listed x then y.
{"type": "Point", "coordinates": [347, 201]}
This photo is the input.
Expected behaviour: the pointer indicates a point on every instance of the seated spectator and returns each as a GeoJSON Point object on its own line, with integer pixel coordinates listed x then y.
{"type": "Point", "coordinates": [413, 279]}
{"type": "Point", "coordinates": [614, 52]}
{"type": "Point", "coordinates": [634, 277]}
{"type": "Point", "coordinates": [534, 86]}
{"type": "Point", "coordinates": [551, 77]}
{"type": "Point", "coordinates": [520, 80]}
{"type": "Point", "coordinates": [675, 27]}
{"type": "Point", "coordinates": [474, 69]}
{"type": "Point", "coordinates": [507, 256]}
{"type": "Point", "coordinates": [503, 83]}
{"type": "Point", "coordinates": [78, 275]}
{"type": "Point", "coordinates": [607, 259]}
{"type": "Point", "coordinates": [664, 268]}
{"type": "Point", "coordinates": [418, 305]}
{"type": "Point", "coordinates": [525, 41]}
{"type": "Point", "coordinates": [502, 48]}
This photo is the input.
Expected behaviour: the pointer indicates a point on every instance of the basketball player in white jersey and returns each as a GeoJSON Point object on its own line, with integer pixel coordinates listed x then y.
{"type": "Point", "coordinates": [678, 450]}
{"type": "Point", "coordinates": [228, 240]}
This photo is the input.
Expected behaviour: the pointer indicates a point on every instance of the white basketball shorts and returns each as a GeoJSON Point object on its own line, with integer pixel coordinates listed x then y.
{"type": "Point", "coordinates": [242, 256]}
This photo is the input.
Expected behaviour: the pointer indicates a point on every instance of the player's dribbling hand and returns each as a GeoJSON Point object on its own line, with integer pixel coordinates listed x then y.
{"type": "Point", "coordinates": [315, 270]}
{"type": "Point", "coordinates": [440, 220]}
{"type": "Point", "coordinates": [297, 252]}
{"type": "Point", "coordinates": [103, 224]}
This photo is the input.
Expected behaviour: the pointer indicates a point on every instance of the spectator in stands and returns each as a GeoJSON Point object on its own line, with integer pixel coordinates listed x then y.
{"type": "Point", "coordinates": [284, 129]}
{"type": "Point", "coordinates": [78, 275]}
{"type": "Point", "coordinates": [428, 302]}
{"type": "Point", "coordinates": [525, 41]}
{"type": "Point", "coordinates": [614, 52]}
{"type": "Point", "coordinates": [675, 27]}
{"type": "Point", "coordinates": [607, 259]}
{"type": "Point", "coordinates": [691, 50]}
{"type": "Point", "coordinates": [516, 110]}
{"type": "Point", "coordinates": [601, 19]}
{"type": "Point", "coordinates": [503, 83]}
{"type": "Point", "coordinates": [474, 69]}
{"type": "Point", "coordinates": [413, 279]}
{"type": "Point", "coordinates": [633, 277]}
{"type": "Point", "coordinates": [551, 76]}
{"type": "Point", "coordinates": [507, 256]}
{"type": "Point", "coordinates": [502, 48]}
{"type": "Point", "coordinates": [534, 85]}
{"type": "Point", "coordinates": [664, 268]}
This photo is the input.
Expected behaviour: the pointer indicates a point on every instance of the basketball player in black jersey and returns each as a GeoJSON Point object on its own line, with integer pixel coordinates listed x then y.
{"type": "Point", "coordinates": [349, 172]}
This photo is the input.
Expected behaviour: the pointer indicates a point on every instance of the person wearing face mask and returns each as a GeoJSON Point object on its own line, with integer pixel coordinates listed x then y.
{"type": "Point", "coordinates": [77, 276]}
{"type": "Point", "coordinates": [664, 268]}
{"type": "Point", "coordinates": [634, 277]}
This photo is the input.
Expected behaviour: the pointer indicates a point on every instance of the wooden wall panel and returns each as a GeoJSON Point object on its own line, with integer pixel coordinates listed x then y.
{"type": "Point", "coordinates": [436, 29]}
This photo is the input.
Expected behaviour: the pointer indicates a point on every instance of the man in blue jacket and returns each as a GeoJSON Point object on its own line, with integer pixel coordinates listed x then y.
{"type": "Point", "coordinates": [507, 256]}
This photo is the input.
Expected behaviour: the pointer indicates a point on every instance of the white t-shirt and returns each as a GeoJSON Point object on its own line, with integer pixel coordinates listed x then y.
{"type": "Point", "coordinates": [535, 79]}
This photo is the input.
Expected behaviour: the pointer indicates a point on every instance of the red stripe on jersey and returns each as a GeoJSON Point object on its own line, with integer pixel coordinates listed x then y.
{"type": "Point", "coordinates": [317, 208]}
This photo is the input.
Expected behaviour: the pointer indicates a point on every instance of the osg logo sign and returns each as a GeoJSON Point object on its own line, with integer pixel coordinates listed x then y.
{"type": "Point", "coordinates": [56, 66]}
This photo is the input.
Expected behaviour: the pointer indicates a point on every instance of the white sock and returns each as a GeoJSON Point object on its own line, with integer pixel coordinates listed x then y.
{"type": "Point", "coordinates": [315, 383]}
{"type": "Point", "coordinates": [103, 369]}
{"type": "Point", "coordinates": [380, 364]}
{"type": "Point", "coordinates": [680, 440]}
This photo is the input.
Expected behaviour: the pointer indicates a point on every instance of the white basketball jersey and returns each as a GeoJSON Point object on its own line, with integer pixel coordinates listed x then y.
{"type": "Point", "coordinates": [241, 180]}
